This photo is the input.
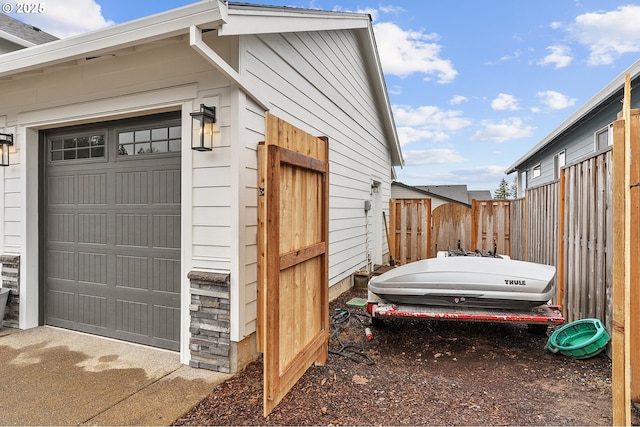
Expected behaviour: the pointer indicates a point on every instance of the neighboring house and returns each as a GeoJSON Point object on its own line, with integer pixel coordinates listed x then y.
{"type": "Point", "coordinates": [109, 216]}
{"type": "Point", "coordinates": [439, 194]}
{"type": "Point", "coordinates": [15, 35]}
{"type": "Point", "coordinates": [585, 133]}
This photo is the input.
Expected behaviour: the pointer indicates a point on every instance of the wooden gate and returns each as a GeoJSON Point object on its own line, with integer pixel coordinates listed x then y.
{"type": "Point", "coordinates": [451, 225]}
{"type": "Point", "coordinates": [293, 303]}
{"type": "Point", "coordinates": [490, 225]}
{"type": "Point", "coordinates": [410, 223]}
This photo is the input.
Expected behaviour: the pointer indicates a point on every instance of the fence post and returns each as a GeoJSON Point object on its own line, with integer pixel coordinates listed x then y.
{"type": "Point", "coordinates": [560, 262]}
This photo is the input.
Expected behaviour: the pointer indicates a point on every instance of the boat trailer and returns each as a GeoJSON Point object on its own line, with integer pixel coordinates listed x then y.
{"type": "Point", "coordinates": [541, 315]}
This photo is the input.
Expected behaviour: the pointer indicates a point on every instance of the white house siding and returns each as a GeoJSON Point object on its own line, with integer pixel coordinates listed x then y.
{"type": "Point", "coordinates": [251, 131]}
{"type": "Point", "coordinates": [164, 76]}
{"type": "Point", "coordinates": [319, 83]}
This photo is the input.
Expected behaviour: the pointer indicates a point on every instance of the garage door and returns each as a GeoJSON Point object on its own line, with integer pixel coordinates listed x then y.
{"type": "Point", "coordinates": [112, 230]}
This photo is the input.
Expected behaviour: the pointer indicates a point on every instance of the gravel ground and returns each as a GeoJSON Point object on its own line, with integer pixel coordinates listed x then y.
{"type": "Point", "coordinates": [424, 373]}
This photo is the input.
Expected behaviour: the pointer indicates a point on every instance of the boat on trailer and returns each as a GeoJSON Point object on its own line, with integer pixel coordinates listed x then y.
{"type": "Point", "coordinates": [466, 279]}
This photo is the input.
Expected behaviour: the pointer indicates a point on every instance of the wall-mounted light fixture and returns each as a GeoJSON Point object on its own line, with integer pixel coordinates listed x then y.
{"type": "Point", "coordinates": [203, 121]}
{"type": "Point", "coordinates": [6, 141]}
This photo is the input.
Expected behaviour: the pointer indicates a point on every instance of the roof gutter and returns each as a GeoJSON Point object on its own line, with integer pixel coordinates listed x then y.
{"type": "Point", "coordinates": [14, 39]}
{"type": "Point", "coordinates": [196, 42]}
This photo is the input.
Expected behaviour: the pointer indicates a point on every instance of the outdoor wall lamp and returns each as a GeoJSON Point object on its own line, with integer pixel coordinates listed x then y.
{"type": "Point", "coordinates": [203, 121]}
{"type": "Point", "coordinates": [6, 141]}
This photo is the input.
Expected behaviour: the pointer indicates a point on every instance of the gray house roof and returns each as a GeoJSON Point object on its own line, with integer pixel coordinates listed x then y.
{"type": "Point", "coordinates": [610, 93]}
{"type": "Point", "coordinates": [459, 193]}
{"type": "Point", "coordinates": [450, 193]}
{"type": "Point", "coordinates": [22, 34]}
{"type": "Point", "coordinates": [480, 195]}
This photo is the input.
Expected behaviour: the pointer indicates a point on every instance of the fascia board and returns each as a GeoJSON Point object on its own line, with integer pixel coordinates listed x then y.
{"type": "Point", "coordinates": [155, 27]}
{"type": "Point", "coordinates": [602, 96]}
{"type": "Point", "coordinates": [387, 113]}
{"type": "Point", "coordinates": [275, 20]}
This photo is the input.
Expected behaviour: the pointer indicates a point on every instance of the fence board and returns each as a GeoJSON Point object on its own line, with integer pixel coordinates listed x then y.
{"type": "Point", "coordinates": [490, 225]}
{"type": "Point", "coordinates": [451, 226]}
{"type": "Point", "coordinates": [518, 229]}
{"type": "Point", "coordinates": [587, 249]}
{"type": "Point", "coordinates": [410, 223]}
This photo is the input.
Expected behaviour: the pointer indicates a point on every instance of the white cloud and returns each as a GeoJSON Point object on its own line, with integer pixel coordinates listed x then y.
{"type": "Point", "coordinates": [431, 157]}
{"type": "Point", "coordinates": [481, 172]}
{"type": "Point", "coordinates": [555, 100]}
{"type": "Point", "coordinates": [408, 135]}
{"type": "Point", "coordinates": [560, 56]}
{"type": "Point", "coordinates": [458, 99]}
{"type": "Point", "coordinates": [515, 55]}
{"type": "Point", "coordinates": [68, 18]}
{"type": "Point", "coordinates": [476, 178]}
{"type": "Point", "coordinates": [429, 115]}
{"type": "Point", "coordinates": [505, 101]}
{"type": "Point", "coordinates": [403, 53]}
{"type": "Point", "coordinates": [555, 25]}
{"type": "Point", "coordinates": [608, 34]}
{"type": "Point", "coordinates": [394, 10]}
{"type": "Point", "coordinates": [426, 123]}
{"type": "Point", "coordinates": [505, 130]}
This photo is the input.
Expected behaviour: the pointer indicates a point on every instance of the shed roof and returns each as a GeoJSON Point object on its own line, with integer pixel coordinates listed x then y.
{"type": "Point", "coordinates": [422, 189]}
{"type": "Point", "coordinates": [604, 97]}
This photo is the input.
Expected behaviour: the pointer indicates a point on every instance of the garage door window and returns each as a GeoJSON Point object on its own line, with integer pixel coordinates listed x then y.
{"type": "Point", "coordinates": [150, 141]}
{"type": "Point", "coordinates": [79, 147]}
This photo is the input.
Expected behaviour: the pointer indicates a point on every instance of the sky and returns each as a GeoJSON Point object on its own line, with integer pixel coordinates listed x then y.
{"type": "Point", "coordinates": [473, 84]}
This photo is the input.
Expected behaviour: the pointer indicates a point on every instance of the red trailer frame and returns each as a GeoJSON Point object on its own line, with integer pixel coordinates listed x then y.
{"type": "Point", "coordinates": [544, 314]}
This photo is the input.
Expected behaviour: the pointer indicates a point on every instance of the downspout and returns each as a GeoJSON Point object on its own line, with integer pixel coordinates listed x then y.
{"type": "Point", "coordinates": [195, 40]}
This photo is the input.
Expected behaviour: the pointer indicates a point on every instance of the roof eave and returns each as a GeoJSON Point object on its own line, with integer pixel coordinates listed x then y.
{"type": "Point", "coordinates": [383, 95]}
{"type": "Point", "coordinates": [163, 25]}
{"type": "Point", "coordinates": [246, 18]}
{"type": "Point", "coordinates": [15, 39]}
{"type": "Point", "coordinates": [608, 91]}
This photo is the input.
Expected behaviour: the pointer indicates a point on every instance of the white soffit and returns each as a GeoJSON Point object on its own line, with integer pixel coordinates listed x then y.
{"type": "Point", "coordinates": [256, 19]}
{"type": "Point", "coordinates": [205, 14]}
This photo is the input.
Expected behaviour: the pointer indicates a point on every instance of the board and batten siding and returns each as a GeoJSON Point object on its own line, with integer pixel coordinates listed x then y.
{"type": "Point", "coordinates": [319, 82]}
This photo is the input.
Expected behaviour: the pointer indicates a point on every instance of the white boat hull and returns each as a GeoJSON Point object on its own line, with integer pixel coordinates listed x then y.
{"type": "Point", "coordinates": [471, 281]}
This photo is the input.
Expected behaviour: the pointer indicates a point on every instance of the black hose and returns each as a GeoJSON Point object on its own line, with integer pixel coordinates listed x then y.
{"type": "Point", "coordinates": [339, 321]}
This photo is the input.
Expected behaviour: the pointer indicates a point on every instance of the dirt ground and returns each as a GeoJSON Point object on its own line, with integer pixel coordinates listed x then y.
{"type": "Point", "coordinates": [424, 373]}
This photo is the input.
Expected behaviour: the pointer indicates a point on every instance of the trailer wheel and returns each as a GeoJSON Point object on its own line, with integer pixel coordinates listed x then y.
{"type": "Point", "coordinates": [538, 328]}
{"type": "Point", "coordinates": [377, 322]}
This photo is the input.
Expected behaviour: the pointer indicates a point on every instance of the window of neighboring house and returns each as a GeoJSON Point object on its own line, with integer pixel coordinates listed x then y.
{"type": "Point", "coordinates": [604, 138]}
{"type": "Point", "coordinates": [536, 171]}
{"type": "Point", "coordinates": [523, 180]}
{"type": "Point", "coordinates": [558, 163]}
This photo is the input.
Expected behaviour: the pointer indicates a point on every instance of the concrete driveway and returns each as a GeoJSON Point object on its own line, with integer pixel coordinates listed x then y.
{"type": "Point", "coordinates": [51, 376]}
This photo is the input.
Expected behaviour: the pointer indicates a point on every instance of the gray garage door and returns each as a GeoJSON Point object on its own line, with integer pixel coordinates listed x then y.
{"type": "Point", "coordinates": [112, 230]}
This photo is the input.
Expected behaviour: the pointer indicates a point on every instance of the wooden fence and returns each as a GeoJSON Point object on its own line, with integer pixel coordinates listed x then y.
{"type": "Point", "coordinates": [490, 226]}
{"type": "Point", "coordinates": [417, 233]}
{"type": "Point", "coordinates": [451, 225]}
{"type": "Point", "coordinates": [568, 224]}
{"type": "Point", "coordinates": [410, 226]}
{"type": "Point", "coordinates": [585, 250]}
